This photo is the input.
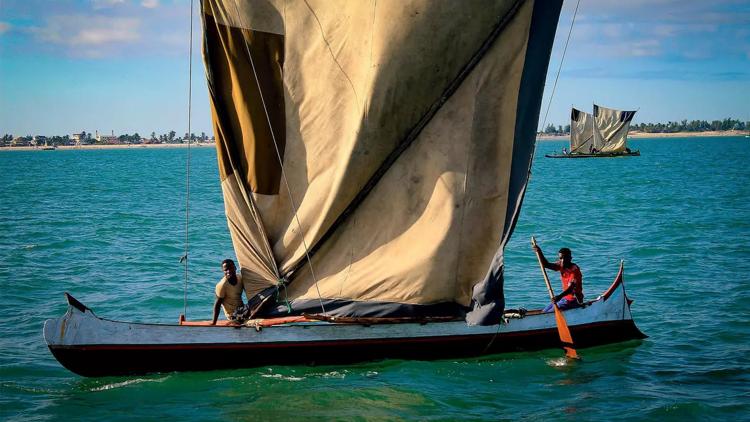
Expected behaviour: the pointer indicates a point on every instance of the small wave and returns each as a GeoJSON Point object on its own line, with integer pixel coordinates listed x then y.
{"type": "Point", "coordinates": [227, 379]}
{"type": "Point", "coordinates": [560, 362]}
{"type": "Point", "coordinates": [334, 374]}
{"type": "Point", "coordinates": [125, 383]}
{"type": "Point", "coordinates": [27, 389]}
{"type": "Point", "coordinates": [282, 377]}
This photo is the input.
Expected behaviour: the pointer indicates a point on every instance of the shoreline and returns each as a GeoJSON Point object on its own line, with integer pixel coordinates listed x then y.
{"type": "Point", "coordinates": [631, 135]}
{"type": "Point", "coordinates": [642, 135]}
{"type": "Point", "coordinates": [94, 147]}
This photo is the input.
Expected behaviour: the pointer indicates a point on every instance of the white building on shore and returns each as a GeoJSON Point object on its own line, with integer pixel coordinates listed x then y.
{"type": "Point", "coordinates": [107, 139]}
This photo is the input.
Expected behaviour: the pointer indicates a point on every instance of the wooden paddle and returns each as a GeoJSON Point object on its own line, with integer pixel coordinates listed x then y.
{"type": "Point", "coordinates": [562, 325]}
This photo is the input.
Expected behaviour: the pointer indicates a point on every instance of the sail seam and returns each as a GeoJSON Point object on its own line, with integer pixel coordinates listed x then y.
{"type": "Point", "coordinates": [413, 133]}
{"type": "Point", "coordinates": [467, 159]}
{"type": "Point", "coordinates": [330, 50]}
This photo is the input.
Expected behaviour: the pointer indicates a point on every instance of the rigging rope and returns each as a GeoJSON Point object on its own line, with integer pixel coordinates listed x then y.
{"type": "Point", "coordinates": [281, 162]}
{"type": "Point", "coordinates": [187, 170]}
{"type": "Point", "coordinates": [562, 59]}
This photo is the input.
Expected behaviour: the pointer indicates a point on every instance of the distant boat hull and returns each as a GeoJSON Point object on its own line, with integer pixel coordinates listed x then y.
{"type": "Point", "coordinates": [605, 155]}
{"type": "Point", "coordinates": [92, 346]}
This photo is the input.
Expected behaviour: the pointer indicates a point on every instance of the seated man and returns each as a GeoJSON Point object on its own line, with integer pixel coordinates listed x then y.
{"type": "Point", "coordinates": [571, 277]}
{"type": "Point", "coordinates": [228, 291]}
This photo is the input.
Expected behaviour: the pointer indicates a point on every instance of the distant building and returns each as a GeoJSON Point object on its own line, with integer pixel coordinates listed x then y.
{"type": "Point", "coordinates": [79, 138]}
{"type": "Point", "coordinates": [20, 141]}
{"type": "Point", "coordinates": [108, 139]}
{"type": "Point", "coordinates": [82, 138]}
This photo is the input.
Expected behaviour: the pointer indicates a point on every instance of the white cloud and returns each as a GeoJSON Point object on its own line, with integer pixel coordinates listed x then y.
{"type": "Point", "coordinates": [89, 36]}
{"type": "Point", "coordinates": [645, 48]}
{"type": "Point", "coordinates": [666, 30]}
{"type": "Point", "coordinates": [105, 4]}
{"type": "Point", "coordinates": [4, 27]}
{"type": "Point", "coordinates": [612, 30]}
{"type": "Point", "coordinates": [614, 40]}
{"type": "Point", "coordinates": [150, 4]}
{"type": "Point", "coordinates": [677, 32]}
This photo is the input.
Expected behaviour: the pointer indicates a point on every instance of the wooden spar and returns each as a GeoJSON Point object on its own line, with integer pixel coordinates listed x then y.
{"type": "Point", "coordinates": [562, 325]}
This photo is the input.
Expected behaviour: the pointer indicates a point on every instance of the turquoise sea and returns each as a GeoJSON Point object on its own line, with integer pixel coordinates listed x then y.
{"type": "Point", "coordinates": [108, 226]}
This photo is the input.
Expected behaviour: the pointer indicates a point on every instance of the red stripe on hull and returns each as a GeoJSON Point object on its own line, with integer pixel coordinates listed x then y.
{"type": "Point", "coordinates": [105, 360]}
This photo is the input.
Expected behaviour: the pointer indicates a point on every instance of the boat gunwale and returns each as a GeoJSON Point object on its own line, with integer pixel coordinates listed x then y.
{"type": "Point", "coordinates": [74, 303]}
{"type": "Point", "coordinates": [330, 343]}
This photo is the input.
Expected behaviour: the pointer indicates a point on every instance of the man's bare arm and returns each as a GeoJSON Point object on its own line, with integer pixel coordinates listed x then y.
{"type": "Point", "coordinates": [217, 307]}
{"type": "Point", "coordinates": [548, 265]}
{"type": "Point", "coordinates": [569, 290]}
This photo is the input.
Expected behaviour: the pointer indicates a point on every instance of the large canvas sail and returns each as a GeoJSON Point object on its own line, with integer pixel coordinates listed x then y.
{"type": "Point", "coordinates": [581, 131]}
{"type": "Point", "coordinates": [612, 128]}
{"type": "Point", "coordinates": [373, 154]}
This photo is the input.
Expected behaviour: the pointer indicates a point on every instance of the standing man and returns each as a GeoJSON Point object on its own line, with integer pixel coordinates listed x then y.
{"type": "Point", "coordinates": [572, 279]}
{"type": "Point", "coordinates": [228, 291]}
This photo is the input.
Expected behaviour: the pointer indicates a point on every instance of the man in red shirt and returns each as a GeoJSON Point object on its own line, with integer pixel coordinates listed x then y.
{"type": "Point", "coordinates": [572, 279]}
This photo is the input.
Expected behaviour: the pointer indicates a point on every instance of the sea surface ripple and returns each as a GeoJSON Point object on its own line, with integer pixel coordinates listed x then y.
{"type": "Point", "coordinates": [108, 226]}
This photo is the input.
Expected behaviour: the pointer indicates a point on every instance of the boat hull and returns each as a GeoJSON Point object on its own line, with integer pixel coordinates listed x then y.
{"type": "Point", "coordinates": [92, 346]}
{"type": "Point", "coordinates": [94, 361]}
{"type": "Point", "coordinates": [624, 154]}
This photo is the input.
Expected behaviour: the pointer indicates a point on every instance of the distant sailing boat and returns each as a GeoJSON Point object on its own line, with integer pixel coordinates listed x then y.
{"type": "Point", "coordinates": [373, 158]}
{"type": "Point", "coordinates": [601, 134]}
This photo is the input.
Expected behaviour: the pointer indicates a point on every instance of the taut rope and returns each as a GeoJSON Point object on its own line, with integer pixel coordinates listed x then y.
{"type": "Point", "coordinates": [562, 59]}
{"type": "Point", "coordinates": [187, 171]}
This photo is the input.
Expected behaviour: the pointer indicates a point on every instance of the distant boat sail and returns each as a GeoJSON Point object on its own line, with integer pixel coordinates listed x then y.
{"type": "Point", "coordinates": [601, 134]}
{"type": "Point", "coordinates": [373, 157]}
{"type": "Point", "coordinates": [581, 131]}
{"type": "Point", "coordinates": [612, 126]}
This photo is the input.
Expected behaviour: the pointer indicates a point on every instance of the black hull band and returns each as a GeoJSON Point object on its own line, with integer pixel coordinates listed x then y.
{"type": "Point", "coordinates": [107, 360]}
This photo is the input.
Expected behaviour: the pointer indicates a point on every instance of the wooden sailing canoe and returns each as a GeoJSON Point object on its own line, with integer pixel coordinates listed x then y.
{"type": "Point", "coordinates": [92, 346]}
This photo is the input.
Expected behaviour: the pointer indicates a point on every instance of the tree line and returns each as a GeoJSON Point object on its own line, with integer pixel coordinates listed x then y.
{"type": "Point", "coordinates": [670, 127]}
{"type": "Point", "coordinates": [89, 139]}
{"type": "Point", "coordinates": [692, 126]}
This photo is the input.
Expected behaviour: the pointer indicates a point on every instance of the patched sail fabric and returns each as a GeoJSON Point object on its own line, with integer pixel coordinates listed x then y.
{"type": "Point", "coordinates": [374, 154]}
{"type": "Point", "coordinates": [581, 131]}
{"type": "Point", "coordinates": [612, 128]}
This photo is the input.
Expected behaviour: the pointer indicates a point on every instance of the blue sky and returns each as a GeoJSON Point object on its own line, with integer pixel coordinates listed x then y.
{"type": "Point", "coordinates": [122, 65]}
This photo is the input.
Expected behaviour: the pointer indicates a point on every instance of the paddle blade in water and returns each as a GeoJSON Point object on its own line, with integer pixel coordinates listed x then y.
{"type": "Point", "coordinates": [565, 337]}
